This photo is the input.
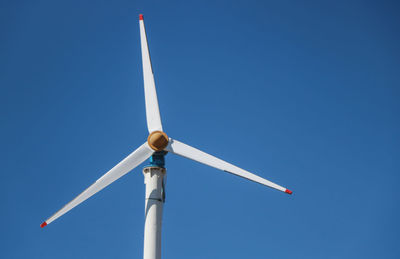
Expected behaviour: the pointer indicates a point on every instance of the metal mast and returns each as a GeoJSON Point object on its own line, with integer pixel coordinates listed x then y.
{"type": "Point", "coordinates": [155, 197]}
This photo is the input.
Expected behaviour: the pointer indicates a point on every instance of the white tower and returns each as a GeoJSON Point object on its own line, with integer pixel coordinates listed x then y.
{"type": "Point", "coordinates": [155, 197]}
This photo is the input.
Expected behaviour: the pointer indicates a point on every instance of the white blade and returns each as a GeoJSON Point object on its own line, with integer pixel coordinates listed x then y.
{"type": "Point", "coordinates": [187, 151]}
{"type": "Point", "coordinates": [134, 159]}
{"type": "Point", "coordinates": [152, 110]}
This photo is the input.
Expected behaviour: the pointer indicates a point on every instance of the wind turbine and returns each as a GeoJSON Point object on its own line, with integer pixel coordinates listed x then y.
{"type": "Point", "coordinates": [158, 144]}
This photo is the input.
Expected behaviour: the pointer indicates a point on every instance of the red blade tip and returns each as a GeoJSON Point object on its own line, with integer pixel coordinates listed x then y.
{"type": "Point", "coordinates": [141, 17]}
{"type": "Point", "coordinates": [43, 224]}
{"type": "Point", "coordinates": [288, 191]}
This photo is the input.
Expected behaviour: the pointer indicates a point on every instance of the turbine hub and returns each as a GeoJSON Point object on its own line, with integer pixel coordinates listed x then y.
{"type": "Point", "coordinates": [157, 140]}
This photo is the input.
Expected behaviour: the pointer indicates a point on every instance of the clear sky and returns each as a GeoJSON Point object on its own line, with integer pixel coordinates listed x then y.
{"type": "Point", "coordinates": [303, 93]}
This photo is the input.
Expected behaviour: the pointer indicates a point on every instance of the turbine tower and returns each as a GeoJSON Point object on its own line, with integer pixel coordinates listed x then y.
{"type": "Point", "coordinates": [158, 144]}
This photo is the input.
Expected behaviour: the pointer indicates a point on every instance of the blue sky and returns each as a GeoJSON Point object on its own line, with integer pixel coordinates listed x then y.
{"type": "Point", "coordinates": [303, 93]}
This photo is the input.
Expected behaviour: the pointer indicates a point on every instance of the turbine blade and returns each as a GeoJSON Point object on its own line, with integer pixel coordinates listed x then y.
{"type": "Point", "coordinates": [152, 111]}
{"type": "Point", "coordinates": [187, 151]}
{"type": "Point", "coordinates": [130, 162]}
